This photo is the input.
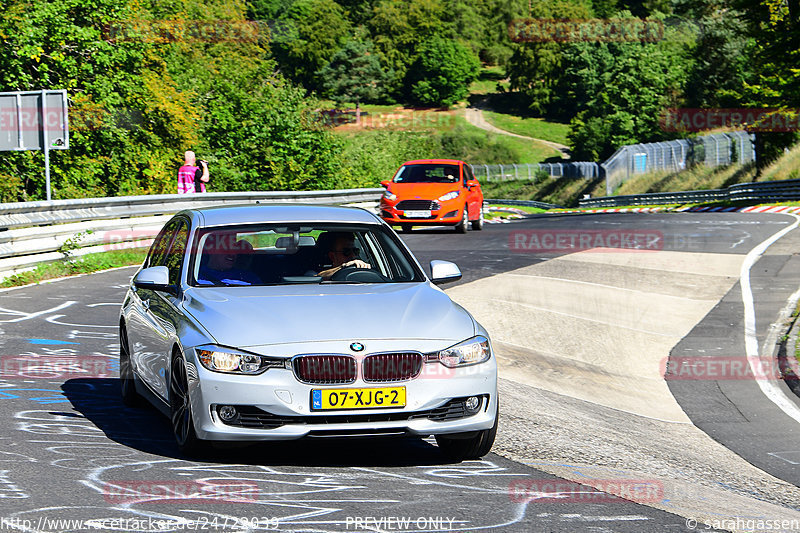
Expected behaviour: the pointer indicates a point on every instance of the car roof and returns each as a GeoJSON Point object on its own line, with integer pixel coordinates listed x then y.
{"type": "Point", "coordinates": [423, 161]}
{"type": "Point", "coordinates": [261, 213]}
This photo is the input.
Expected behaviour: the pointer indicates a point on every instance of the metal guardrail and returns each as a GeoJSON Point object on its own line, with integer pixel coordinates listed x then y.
{"type": "Point", "coordinates": [34, 232]}
{"type": "Point", "coordinates": [527, 203]}
{"type": "Point", "coordinates": [766, 191]}
{"type": "Point", "coordinates": [60, 211]}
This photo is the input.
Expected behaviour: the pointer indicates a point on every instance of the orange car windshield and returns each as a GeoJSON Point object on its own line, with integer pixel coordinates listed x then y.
{"type": "Point", "coordinates": [427, 173]}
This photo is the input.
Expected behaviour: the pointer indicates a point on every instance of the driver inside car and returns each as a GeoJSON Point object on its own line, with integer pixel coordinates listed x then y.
{"type": "Point", "coordinates": [341, 252]}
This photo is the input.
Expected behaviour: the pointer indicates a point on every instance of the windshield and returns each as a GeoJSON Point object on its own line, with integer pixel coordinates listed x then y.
{"type": "Point", "coordinates": [427, 173]}
{"type": "Point", "coordinates": [307, 253]}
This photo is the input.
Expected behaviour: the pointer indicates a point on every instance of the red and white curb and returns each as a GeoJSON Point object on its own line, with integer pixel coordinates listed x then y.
{"type": "Point", "coordinates": [620, 210]}
{"type": "Point", "coordinates": [749, 209]}
{"type": "Point", "coordinates": [695, 209]}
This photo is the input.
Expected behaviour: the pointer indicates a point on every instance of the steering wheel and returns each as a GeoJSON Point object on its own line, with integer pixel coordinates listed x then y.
{"type": "Point", "coordinates": [363, 275]}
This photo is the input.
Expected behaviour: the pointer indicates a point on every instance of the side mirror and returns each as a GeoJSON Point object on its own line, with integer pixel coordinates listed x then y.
{"type": "Point", "coordinates": [156, 279]}
{"type": "Point", "coordinates": [444, 272]}
{"type": "Point", "coordinates": [473, 183]}
{"type": "Point", "coordinates": [385, 184]}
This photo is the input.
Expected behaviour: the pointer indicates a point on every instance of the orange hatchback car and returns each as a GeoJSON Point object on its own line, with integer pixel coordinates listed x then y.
{"type": "Point", "coordinates": [433, 192]}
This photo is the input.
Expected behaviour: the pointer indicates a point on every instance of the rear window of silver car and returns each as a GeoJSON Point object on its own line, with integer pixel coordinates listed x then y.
{"type": "Point", "coordinates": [275, 254]}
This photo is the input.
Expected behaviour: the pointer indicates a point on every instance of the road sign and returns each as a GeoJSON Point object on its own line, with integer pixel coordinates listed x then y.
{"type": "Point", "coordinates": [34, 120]}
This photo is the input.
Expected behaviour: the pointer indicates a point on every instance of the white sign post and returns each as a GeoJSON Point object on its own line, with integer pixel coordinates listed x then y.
{"type": "Point", "coordinates": [34, 120]}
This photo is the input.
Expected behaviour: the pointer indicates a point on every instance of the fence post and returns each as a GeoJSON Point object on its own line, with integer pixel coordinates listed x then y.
{"type": "Point", "coordinates": [529, 172]}
{"type": "Point", "coordinates": [516, 174]}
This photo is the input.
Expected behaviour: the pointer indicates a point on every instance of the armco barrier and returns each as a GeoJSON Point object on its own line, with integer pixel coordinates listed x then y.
{"type": "Point", "coordinates": [528, 203]}
{"type": "Point", "coordinates": [766, 191]}
{"type": "Point", "coordinates": [59, 211]}
{"type": "Point", "coordinates": [33, 232]}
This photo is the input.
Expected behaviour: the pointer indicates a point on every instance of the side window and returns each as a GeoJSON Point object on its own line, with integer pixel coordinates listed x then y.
{"type": "Point", "coordinates": [470, 175]}
{"type": "Point", "coordinates": [158, 253]}
{"type": "Point", "coordinates": [464, 174]}
{"type": "Point", "coordinates": [176, 253]}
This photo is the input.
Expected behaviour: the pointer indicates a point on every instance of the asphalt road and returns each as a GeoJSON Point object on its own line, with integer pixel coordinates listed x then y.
{"type": "Point", "coordinates": [71, 450]}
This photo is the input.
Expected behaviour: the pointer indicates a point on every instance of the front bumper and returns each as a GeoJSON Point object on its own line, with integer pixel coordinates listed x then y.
{"type": "Point", "coordinates": [449, 213]}
{"type": "Point", "coordinates": [279, 393]}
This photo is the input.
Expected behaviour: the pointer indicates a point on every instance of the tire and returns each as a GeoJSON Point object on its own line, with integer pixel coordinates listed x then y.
{"type": "Point", "coordinates": [472, 445]}
{"type": "Point", "coordinates": [477, 225]}
{"type": "Point", "coordinates": [130, 397]}
{"type": "Point", "coordinates": [181, 410]}
{"type": "Point", "coordinates": [405, 228]}
{"type": "Point", "coordinates": [461, 227]}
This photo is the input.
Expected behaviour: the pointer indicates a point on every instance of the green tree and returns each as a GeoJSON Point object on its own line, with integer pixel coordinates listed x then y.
{"type": "Point", "coordinates": [535, 68]}
{"type": "Point", "coordinates": [143, 89]}
{"type": "Point", "coordinates": [398, 26]}
{"type": "Point", "coordinates": [358, 11]}
{"type": "Point", "coordinates": [355, 74]}
{"type": "Point", "coordinates": [775, 82]}
{"type": "Point", "coordinates": [267, 10]}
{"type": "Point", "coordinates": [442, 72]}
{"type": "Point", "coordinates": [624, 88]}
{"type": "Point", "coordinates": [311, 31]}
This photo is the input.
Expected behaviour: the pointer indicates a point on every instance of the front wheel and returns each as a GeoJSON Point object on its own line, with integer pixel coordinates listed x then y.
{"type": "Point", "coordinates": [461, 227]}
{"type": "Point", "coordinates": [181, 410]}
{"type": "Point", "coordinates": [478, 224]}
{"type": "Point", "coordinates": [473, 445]}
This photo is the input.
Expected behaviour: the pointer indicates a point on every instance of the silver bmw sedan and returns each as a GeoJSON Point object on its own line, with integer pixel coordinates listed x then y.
{"type": "Point", "coordinates": [254, 323]}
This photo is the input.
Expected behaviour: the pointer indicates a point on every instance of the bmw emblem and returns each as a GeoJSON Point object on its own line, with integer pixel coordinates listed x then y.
{"type": "Point", "coordinates": [357, 347]}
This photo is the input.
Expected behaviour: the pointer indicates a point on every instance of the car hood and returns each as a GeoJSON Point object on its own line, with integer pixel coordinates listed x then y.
{"type": "Point", "coordinates": [425, 191]}
{"type": "Point", "coordinates": [258, 316]}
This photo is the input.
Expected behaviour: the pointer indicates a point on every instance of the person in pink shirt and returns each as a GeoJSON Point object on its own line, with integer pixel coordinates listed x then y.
{"type": "Point", "coordinates": [187, 175]}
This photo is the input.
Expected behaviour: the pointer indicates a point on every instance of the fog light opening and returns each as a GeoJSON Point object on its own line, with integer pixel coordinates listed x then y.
{"type": "Point", "coordinates": [472, 404]}
{"type": "Point", "coordinates": [227, 413]}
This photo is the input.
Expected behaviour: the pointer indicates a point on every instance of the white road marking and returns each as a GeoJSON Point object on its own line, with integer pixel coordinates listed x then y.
{"type": "Point", "coordinates": [780, 455]}
{"type": "Point", "coordinates": [769, 389]}
{"type": "Point", "coordinates": [22, 315]}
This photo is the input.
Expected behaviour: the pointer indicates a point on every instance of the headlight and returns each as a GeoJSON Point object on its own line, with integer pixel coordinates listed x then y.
{"type": "Point", "coordinates": [452, 195]}
{"type": "Point", "coordinates": [470, 352]}
{"type": "Point", "coordinates": [389, 196]}
{"type": "Point", "coordinates": [234, 362]}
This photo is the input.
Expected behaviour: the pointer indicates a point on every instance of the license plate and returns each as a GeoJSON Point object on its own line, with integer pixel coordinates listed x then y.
{"type": "Point", "coordinates": [327, 399]}
{"type": "Point", "coordinates": [417, 214]}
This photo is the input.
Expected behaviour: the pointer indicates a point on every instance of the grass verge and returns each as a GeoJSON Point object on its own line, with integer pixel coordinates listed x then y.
{"type": "Point", "coordinates": [699, 177]}
{"type": "Point", "coordinates": [372, 155]}
{"type": "Point", "coordinates": [82, 265]}
{"type": "Point", "coordinates": [538, 128]}
{"type": "Point", "coordinates": [787, 167]}
{"type": "Point", "coordinates": [561, 191]}
{"type": "Point", "coordinates": [497, 215]}
{"type": "Point", "coordinates": [488, 80]}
